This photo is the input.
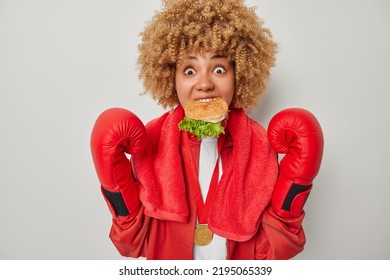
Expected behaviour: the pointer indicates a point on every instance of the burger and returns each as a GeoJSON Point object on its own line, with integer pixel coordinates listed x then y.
{"type": "Point", "coordinates": [204, 117]}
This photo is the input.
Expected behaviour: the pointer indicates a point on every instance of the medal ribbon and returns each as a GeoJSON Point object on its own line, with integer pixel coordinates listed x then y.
{"type": "Point", "coordinates": [203, 208]}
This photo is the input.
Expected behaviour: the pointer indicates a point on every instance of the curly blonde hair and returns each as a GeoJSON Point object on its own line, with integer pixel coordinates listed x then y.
{"type": "Point", "coordinates": [226, 27]}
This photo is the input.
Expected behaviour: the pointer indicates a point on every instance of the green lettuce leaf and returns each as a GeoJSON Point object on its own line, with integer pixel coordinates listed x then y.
{"type": "Point", "coordinates": [201, 128]}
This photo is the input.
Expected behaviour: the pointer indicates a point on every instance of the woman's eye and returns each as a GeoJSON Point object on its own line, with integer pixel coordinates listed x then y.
{"type": "Point", "coordinates": [219, 70]}
{"type": "Point", "coordinates": [189, 71]}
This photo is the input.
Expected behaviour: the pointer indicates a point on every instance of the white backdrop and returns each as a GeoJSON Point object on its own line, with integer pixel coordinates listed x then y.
{"type": "Point", "coordinates": [63, 62]}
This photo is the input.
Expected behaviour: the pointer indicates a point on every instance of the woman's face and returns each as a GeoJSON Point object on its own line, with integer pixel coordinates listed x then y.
{"type": "Point", "coordinates": [203, 77]}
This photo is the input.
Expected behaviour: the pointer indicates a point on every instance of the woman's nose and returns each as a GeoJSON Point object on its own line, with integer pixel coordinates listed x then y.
{"type": "Point", "coordinates": [204, 82]}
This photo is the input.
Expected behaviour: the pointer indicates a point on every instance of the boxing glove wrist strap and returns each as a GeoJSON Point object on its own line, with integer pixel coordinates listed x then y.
{"type": "Point", "coordinates": [289, 198]}
{"type": "Point", "coordinates": [123, 203]}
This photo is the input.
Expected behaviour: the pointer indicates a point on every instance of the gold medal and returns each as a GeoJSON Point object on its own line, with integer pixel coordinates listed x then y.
{"type": "Point", "coordinates": [203, 235]}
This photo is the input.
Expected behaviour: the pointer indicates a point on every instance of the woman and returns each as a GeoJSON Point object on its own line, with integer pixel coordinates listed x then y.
{"type": "Point", "coordinates": [181, 197]}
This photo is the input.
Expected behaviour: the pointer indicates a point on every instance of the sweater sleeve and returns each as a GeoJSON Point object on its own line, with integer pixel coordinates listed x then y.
{"type": "Point", "coordinates": [279, 238]}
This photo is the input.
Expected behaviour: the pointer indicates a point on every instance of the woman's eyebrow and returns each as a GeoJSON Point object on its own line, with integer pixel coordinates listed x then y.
{"type": "Point", "coordinates": [216, 56]}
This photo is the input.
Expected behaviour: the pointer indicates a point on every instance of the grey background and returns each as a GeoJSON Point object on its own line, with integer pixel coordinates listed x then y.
{"type": "Point", "coordinates": [64, 62]}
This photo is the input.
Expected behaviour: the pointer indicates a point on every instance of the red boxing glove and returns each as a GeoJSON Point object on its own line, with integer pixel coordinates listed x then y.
{"type": "Point", "coordinates": [296, 133]}
{"type": "Point", "coordinates": [116, 132]}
